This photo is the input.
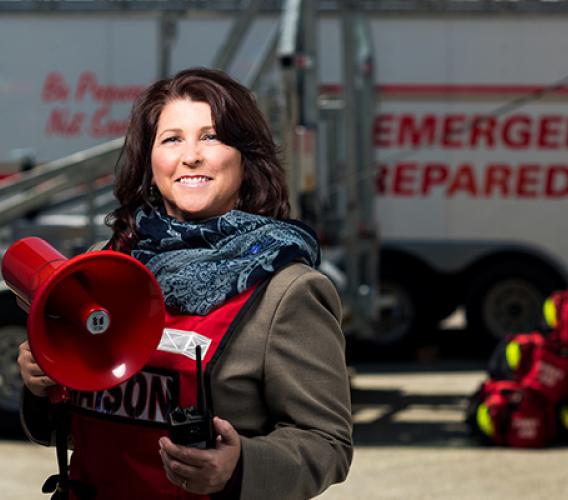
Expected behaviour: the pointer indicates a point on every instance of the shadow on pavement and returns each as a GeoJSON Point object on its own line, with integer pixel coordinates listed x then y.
{"type": "Point", "coordinates": [440, 345]}
{"type": "Point", "coordinates": [401, 419]}
{"type": "Point", "coordinates": [417, 415]}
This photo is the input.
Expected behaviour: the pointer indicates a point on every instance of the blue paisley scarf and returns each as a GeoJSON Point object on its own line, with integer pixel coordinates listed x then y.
{"type": "Point", "coordinates": [199, 265]}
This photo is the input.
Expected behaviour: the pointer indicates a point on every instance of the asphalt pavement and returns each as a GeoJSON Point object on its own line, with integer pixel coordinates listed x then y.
{"type": "Point", "coordinates": [411, 443]}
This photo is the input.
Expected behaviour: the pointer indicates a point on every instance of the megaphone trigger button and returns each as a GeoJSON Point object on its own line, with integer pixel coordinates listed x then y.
{"type": "Point", "coordinates": [98, 321]}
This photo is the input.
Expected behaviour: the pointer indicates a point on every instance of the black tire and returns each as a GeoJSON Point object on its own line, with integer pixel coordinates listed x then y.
{"type": "Point", "coordinates": [398, 317]}
{"type": "Point", "coordinates": [407, 312]}
{"type": "Point", "coordinates": [11, 336]}
{"type": "Point", "coordinates": [508, 298]}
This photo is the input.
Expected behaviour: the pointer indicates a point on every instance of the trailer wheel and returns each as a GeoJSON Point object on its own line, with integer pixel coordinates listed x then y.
{"type": "Point", "coordinates": [405, 315]}
{"type": "Point", "coordinates": [398, 313]}
{"type": "Point", "coordinates": [11, 336]}
{"type": "Point", "coordinates": [508, 298]}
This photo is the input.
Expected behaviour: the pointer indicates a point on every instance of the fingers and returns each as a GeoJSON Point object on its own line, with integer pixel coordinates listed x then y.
{"type": "Point", "coordinates": [178, 464]}
{"type": "Point", "coordinates": [33, 376]}
{"type": "Point", "coordinates": [183, 454]}
{"type": "Point", "coordinates": [229, 435]}
{"type": "Point", "coordinates": [203, 471]}
{"type": "Point", "coordinates": [176, 470]}
{"type": "Point", "coordinates": [180, 481]}
{"type": "Point", "coordinates": [24, 347]}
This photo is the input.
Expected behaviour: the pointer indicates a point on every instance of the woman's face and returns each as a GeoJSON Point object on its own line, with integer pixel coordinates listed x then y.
{"type": "Point", "coordinates": [198, 176]}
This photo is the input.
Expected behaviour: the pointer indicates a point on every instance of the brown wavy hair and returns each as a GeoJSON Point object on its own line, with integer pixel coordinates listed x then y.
{"type": "Point", "coordinates": [238, 123]}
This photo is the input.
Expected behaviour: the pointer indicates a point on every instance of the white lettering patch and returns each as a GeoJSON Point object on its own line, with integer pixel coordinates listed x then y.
{"type": "Point", "coordinates": [183, 342]}
{"type": "Point", "coordinates": [148, 397]}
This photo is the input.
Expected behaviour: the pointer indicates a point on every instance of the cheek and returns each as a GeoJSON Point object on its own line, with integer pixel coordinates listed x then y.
{"type": "Point", "coordinates": [236, 167]}
{"type": "Point", "coordinates": [161, 164]}
{"type": "Point", "coordinates": [240, 175]}
{"type": "Point", "coordinates": [154, 163]}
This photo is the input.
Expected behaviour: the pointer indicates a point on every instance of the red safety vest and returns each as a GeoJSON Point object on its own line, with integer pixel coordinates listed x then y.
{"type": "Point", "coordinates": [116, 431]}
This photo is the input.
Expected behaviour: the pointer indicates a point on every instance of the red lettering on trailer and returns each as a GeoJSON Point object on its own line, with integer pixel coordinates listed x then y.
{"type": "Point", "coordinates": [87, 85]}
{"type": "Point", "coordinates": [63, 122]}
{"type": "Point", "coordinates": [482, 127]}
{"type": "Point", "coordinates": [550, 127]}
{"type": "Point", "coordinates": [494, 180]}
{"type": "Point", "coordinates": [453, 127]}
{"type": "Point", "coordinates": [54, 88]}
{"type": "Point", "coordinates": [102, 125]}
{"type": "Point", "coordinates": [528, 179]}
{"type": "Point", "coordinates": [414, 134]}
{"type": "Point", "coordinates": [459, 131]}
{"type": "Point", "coordinates": [463, 181]}
{"type": "Point", "coordinates": [381, 129]}
{"type": "Point", "coordinates": [516, 131]}
{"type": "Point", "coordinates": [434, 175]}
{"type": "Point", "coordinates": [87, 80]}
{"type": "Point", "coordinates": [67, 122]}
{"type": "Point", "coordinates": [497, 179]}
{"type": "Point", "coordinates": [556, 184]}
{"type": "Point", "coordinates": [404, 179]}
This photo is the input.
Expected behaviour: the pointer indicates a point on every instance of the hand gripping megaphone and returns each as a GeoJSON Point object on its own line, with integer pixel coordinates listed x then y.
{"type": "Point", "coordinates": [94, 320]}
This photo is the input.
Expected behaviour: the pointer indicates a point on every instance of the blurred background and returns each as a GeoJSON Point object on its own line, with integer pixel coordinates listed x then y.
{"type": "Point", "coordinates": [424, 140]}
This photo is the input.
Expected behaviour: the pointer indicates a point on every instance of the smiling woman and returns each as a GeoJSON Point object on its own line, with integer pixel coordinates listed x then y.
{"type": "Point", "coordinates": [236, 121]}
{"type": "Point", "coordinates": [197, 175]}
{"type": "Point", "coordinates": [204, 205]}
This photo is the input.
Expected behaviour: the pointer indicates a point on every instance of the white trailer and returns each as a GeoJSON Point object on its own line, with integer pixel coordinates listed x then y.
{"type": "Point", "coordinates": [471, 137]}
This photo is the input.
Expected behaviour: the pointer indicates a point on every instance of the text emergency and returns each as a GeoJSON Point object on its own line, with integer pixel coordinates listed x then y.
{"type": "Point", "coordinates": [408, 134]}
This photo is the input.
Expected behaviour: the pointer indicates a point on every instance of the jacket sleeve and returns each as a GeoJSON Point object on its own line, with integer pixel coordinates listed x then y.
{"type": "Point", "coordinates": [36, 418]}
{"type": "Point", "coordinates": [306, 390]}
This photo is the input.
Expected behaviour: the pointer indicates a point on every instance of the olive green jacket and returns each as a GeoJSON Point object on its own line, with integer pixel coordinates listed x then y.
{"type": "Point", "coordinates": [284, 385]}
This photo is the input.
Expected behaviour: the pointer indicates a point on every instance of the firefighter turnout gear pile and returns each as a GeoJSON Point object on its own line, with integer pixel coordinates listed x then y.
{"type": "Point", "coordinates": [524, 401]}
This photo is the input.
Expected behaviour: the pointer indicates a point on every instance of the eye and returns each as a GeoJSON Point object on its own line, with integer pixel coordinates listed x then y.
{"type": "Point", "coordinates": [173, 138]}
{"type": "Point", "coordinates": [210, 137]}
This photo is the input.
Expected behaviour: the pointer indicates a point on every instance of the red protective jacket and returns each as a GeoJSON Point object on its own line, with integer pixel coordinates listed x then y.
{"type": "Point", "coordinates": [115, 432]}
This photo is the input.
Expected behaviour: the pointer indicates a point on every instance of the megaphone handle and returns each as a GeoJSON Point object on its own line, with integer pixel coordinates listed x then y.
{"type": "Point", "coordinates": [58, 484]}
{"type": "Point", "coordinates": [58, 394]}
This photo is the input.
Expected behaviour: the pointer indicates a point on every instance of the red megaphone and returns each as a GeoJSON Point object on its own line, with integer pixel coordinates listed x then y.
{"type": "Point", "coordinates": [94, 320]}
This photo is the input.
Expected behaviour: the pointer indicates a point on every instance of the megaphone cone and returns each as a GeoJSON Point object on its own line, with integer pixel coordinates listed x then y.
{"type": "Point", "coordinates": [94, 320]}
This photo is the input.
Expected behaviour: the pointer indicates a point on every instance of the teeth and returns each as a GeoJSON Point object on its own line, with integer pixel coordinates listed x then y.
{"type": "Point", "coordinates": [194, 180]}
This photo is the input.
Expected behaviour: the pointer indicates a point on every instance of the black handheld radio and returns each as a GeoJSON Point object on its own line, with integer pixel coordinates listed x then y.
{"type": "Point", "coordinates": [193, 426]}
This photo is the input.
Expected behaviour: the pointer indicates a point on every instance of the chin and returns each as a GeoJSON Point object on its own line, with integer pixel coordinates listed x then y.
{"type": "Point", "coordinates": [188, 215]}
{"type": "Point", "coordinates": [196, 212]}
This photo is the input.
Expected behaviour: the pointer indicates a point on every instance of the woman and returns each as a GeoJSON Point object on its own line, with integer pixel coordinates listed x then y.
{"type": "Point", "coordinates": [203, 203]}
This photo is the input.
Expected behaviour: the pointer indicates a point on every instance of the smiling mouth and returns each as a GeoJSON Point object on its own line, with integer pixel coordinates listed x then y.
{"type": "Point", "coordinates": [197, 180]}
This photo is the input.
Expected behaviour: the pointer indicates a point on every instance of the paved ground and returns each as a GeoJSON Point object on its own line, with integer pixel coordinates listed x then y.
{"type": "Point", "coordinates": [410, 444]}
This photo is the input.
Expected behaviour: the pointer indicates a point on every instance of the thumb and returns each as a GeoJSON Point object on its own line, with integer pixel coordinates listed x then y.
{"type": "Point", "coordinates": [226, 431]}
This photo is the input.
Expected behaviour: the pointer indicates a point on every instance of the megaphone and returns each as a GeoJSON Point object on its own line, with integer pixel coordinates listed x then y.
{"type": "Point", "coordinates": [94, 320]}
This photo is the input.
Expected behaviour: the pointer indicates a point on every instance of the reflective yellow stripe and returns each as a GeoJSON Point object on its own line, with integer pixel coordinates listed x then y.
{"type": "Point", "coordinates": [484, 421]}
{"type": "Point", "coordinates": [513, 354]}
{"type": "Point", "coordinates": [549, 310]}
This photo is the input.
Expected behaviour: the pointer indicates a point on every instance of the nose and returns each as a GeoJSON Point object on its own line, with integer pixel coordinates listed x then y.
{"type": "Point", "coordinates": [192, 154]}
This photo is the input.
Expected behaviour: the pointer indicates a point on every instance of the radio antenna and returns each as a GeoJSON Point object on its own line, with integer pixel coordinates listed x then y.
{"type": "Point", "coordinates": [200, 386]}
